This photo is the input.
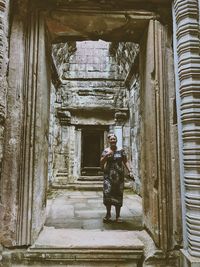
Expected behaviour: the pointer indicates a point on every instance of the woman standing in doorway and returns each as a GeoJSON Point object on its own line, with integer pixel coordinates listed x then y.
{"type": "Point", "coordinates": [112, 162]}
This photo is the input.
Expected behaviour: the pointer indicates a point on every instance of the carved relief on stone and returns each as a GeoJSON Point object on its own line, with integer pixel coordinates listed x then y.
{"type": "Point", "coordinates": [124, 54]}
{"type": "Point", "coordinates": [61, 54]}
{"type": "Point", "coordinates": [187, 37]}
{"type": "Point", "coordinates": [121, 100]}
{"type": "Point", "coordinates": [64, 117]}
{"type": "Point", "coordinates": [66, 96]}
{"type": "Point", "coordinates": [120, 117]}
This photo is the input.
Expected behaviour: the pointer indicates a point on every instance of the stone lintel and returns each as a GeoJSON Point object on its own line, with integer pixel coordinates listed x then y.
{"type": "Point", "coordinates": [117, 4]}
{"type": "Point", "coordinates": [73, 25]}
{"type": "Point", "coordinates": [84, 110]}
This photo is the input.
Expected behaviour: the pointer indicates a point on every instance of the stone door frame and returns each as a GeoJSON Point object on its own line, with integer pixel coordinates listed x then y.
{"type": "Point", "coordinates": [35, 83]}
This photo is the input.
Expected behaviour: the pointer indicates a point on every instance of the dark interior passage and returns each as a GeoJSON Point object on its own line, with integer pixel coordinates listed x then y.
{"type": "Point", "coordinates": [92, 146]}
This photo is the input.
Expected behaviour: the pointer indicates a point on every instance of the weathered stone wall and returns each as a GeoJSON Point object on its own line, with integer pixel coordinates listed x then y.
{"type": "Point", "coordinates": [124, 54]}
{"type": "Point", "coordinates": [25, 162]}
{"type": "Point", "coordinates": [91, 60]}
{"type": "Point", "coordinates": [54, 135]}
{"type": "Point", "coordinates": [135, 128]}
{"type": "Point", "coordinates": [61, 54]}
{"type": "Point", "coordinates": [4, 24]}
{"type": "Point", "coordinates": [90, 77]}
{"type": "Point", "coordinates": [12, 139]}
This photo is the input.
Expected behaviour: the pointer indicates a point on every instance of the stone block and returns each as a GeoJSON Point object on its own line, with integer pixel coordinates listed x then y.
{"type": "Point", "coordinates": [186, 260]}
{"type": "Point", "coordinates": [85, 214]}
{"type": "Point", "coordinates": [62, 211]}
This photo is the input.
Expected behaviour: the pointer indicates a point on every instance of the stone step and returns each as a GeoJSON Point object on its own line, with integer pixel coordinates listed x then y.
{"type": "Point", "coordinates": [84, 185]}
{"type": "Point", "coordinates": [75, 247]}
{"type": "Point", "coordinates": [90, 178]}
{"type": "Point", "coordinates": [80, 185]}
{"type": "Point", "coordinates": [51, 237]}
{"type": "Point", "coordinates": [64, 170]}
{"type": "Point", "coordinates": [61, 175]}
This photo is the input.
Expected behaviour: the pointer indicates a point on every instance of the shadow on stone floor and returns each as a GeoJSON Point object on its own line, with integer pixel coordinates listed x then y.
{"type": "Point", "coordinates": [85, 210]}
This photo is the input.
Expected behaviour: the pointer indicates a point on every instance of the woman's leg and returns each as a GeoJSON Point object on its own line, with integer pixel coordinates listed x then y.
{"type": "Point", "coordinates": [108, 209]}
{"type": "Point", "coordinates": [108, 213]}
{"type": "Point", "coordinates": [117, 209]}
{"type": "Point", "coordinates": [118, 218]}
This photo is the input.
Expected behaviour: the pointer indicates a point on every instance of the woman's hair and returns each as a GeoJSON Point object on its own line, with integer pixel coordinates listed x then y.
{"type": "Point", "coordinates": [111, 134]}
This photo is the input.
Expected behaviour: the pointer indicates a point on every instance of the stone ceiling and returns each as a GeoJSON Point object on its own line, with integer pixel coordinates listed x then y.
{"type": "Point", "coordinates": [107, 2]}
{"type": "Point", "coordinates": [74, 26]}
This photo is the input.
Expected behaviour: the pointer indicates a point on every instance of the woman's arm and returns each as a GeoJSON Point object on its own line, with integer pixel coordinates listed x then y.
{"type": "Point", "coordinates": [103, 161]}
{"type": "Point", "coordinates": [104, 158]}
{"type": "Point", "coordinates": [127, 165]}
{"type": "Point", "coordinates": [130, 172]}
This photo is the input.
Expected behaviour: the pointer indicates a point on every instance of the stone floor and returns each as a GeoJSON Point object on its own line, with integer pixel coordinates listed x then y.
{"type": "Point", "coordinates": [85, 210]}
{"type": "Point", "coordinates": [74, 234]}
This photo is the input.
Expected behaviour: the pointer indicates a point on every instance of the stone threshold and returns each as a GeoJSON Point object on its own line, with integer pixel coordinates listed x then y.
{"type": "Point", "coordinates": [87, 245]}
{"type": "Point", "coordinates": [82, 254]}
{"type": "Point", "coordinates": [85, 185]}
{"type": "Point", "coordinates": [72, 257]}
{"type": "Point", "coordinates": [89, 248]}
{"type": "Point", "coordinates": [57, 247]}
{"type": "Point", "coordinates": [51, 237]}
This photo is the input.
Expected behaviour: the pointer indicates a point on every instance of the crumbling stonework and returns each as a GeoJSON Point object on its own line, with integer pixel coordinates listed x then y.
{"type": "Point", "coordinates": [125, 54]}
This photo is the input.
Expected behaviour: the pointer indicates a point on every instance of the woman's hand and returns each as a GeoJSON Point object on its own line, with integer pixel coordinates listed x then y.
{"type": "Point", "coordinates": [131, 176]}
{"type": "Point", "coordinates": [104, 158]}
{"type": "Point", "coordinates": [109, 154]}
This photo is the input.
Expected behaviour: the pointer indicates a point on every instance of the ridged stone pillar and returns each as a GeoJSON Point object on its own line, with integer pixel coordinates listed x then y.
{"type": "Point", "coordinates": [188, 52]}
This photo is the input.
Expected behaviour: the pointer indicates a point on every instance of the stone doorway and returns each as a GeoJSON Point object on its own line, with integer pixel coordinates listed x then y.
{"type": "Point", "coordinates": [92, 147]}
{"type": "Point", "coordinates": [142, 27]}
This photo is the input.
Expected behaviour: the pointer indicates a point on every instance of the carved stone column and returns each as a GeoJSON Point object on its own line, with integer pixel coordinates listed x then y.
{"type": "Point", "coordinates": [62, 162]}
{"type": "Point", "coordinates": [188, 49]}
{"type": "Point", "coordinates": [77, 167]}
{"type": "Point", "coordinates": [120, 118]}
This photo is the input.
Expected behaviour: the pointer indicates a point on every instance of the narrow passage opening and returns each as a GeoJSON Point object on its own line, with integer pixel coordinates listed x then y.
{"type": "Point", "coordinates": [95, 90]}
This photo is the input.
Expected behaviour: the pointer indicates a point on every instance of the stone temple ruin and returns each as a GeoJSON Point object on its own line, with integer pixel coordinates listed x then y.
{"type": "Point", "coordinates": [70, 72]}
{"type": "Point", "coordinates": [89, 99]}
